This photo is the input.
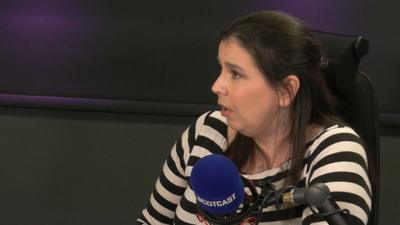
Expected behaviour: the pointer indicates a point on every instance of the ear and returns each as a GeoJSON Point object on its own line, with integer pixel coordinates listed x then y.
{"type": "Point", "coordinates": [288, 89]}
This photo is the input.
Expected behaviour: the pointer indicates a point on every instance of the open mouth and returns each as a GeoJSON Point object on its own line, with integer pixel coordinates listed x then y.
{"type": "Point", "coordinates": [225, 111]}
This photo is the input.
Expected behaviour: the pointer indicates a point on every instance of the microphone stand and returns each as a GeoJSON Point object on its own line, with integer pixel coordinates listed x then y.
{"type": "Point", "coordinates": [317, 195]}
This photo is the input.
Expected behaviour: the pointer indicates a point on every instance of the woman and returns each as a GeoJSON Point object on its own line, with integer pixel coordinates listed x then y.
{"type": "Point", "coordinates": [276, 122]}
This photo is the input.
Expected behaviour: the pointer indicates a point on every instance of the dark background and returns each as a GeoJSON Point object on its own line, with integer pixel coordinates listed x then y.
{"type": "Point", "coordinates": [68, 70]}
{"type": "Point", "coordinates": [130, 50]}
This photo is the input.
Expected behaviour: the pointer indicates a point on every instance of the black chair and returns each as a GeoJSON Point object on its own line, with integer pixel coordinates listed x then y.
{"type": "Point", "coordinates": [356, 97]}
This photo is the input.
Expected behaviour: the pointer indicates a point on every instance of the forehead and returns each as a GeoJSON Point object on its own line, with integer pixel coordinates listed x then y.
{"type": "Point", "coordinates": [231, 43]}
{"type": "Point", "coordinates": [231, 48]}
{"type": "Point", "coordinates": [231, 51]}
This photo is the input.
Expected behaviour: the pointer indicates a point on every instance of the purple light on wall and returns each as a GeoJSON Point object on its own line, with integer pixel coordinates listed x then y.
{"type": "Point", "coordinates": [43, 41]}
{"type": "Point", "coordinates": [38, 28]}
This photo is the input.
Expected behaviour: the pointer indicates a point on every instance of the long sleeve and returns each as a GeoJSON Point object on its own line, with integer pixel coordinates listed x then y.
{"type": "Point", "coordinates": [338, 159]}
{"type": "Point", "coordinates": [172, 181]}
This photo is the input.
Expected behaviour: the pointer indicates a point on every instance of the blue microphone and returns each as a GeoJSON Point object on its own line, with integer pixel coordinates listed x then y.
{"type": "Point", "coordinates": [217, 184]}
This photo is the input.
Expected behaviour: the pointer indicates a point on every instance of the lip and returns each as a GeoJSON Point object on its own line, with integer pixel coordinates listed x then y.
{"type": "Point", "coordinates": [225, 111]}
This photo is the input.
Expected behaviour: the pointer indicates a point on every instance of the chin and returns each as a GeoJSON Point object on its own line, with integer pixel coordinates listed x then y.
{"type": "Point", "coordinates": [233, 126]}
{"type": "Point", "coordinates": [237, 128]}
{"type": "Point", "coordinates": [243, 132]}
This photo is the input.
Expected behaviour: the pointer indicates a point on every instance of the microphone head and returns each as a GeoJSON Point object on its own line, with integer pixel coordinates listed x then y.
{"type": "Point", "coordinates": [217, 184]}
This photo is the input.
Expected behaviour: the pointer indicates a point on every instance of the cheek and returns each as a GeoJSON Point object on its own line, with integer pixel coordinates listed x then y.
{"type": "Point", "coordinates": [261, 103]}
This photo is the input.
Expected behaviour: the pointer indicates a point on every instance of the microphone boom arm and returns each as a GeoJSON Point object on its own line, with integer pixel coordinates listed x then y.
{"type": "Point", "coordinates": [317, 195]}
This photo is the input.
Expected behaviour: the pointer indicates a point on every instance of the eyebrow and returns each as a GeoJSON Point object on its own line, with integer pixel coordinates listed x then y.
{"type": "Point", "coordinates": [231, 66]}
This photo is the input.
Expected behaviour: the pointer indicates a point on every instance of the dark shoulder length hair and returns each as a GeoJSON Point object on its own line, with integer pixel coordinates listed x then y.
{"type": "Point", "coordinates": [282, 45]}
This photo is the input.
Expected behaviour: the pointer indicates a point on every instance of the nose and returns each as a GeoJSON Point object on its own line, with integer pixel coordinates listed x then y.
{"type": "Point", "coordinates": [218, 87]}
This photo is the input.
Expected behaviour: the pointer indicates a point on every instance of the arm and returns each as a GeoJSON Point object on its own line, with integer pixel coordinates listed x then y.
{"type": "Point", "coordinates": [172, 181]}
{"type": "Point", "coordinates": [338, 159]}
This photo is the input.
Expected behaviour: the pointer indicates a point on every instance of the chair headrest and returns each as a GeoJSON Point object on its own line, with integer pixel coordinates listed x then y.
{"type": "Point", "coordinates": [343, 54]}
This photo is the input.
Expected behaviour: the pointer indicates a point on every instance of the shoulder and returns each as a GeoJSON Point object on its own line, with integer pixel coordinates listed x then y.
{"type": "Point", "coordinates": [338, 159]}
{"type": "Point", "coordinates": [335, 139]}
{"type": "Point", "coordinates": [332, 135]}
{"type": "Point", "coordinates": [210, 132]}
{"type": "Point", "coordinates": [211, 137]}
{"type": "Point", "coordinates": [210, 123]}
{"type": "Point", "coordinates": [214, 118]}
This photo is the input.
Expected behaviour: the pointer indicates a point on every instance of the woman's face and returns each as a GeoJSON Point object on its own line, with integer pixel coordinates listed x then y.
{"type": "Point", "coordinates": [248, 101]}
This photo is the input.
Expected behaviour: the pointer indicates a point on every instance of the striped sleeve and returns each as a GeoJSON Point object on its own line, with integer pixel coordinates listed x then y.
{"type": "Point", "coordinates": [171, 182]}
{"type": "Point", "coordinates": [338, 159]}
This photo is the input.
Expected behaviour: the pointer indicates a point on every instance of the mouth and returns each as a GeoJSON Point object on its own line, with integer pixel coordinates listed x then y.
{"type": "Point", "coordinates": [225, 111]}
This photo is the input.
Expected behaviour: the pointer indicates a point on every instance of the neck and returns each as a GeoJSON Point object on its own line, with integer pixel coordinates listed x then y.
{"type": "Point", "coordinates": [273, 150]}
{"type": "Point", "coordinates": [273, 154]}
{"type": "Point", "coordinates": [273, 139]}
{"type": "Point", "coordinates": [272, 142]}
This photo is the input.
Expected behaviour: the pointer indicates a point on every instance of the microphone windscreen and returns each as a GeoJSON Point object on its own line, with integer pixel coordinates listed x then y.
{"type": "Point", "coordinates": [217, 184]}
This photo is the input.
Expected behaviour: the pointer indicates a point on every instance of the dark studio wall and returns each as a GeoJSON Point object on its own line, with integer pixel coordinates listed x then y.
{"type": "Point", "coordinates": [79, 49]}
{"type": "Point", "coordinates": [76, 78]}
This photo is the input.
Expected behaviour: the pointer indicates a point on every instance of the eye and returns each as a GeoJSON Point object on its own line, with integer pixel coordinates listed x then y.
{"type": "Point", "coordinates": [236, 75]}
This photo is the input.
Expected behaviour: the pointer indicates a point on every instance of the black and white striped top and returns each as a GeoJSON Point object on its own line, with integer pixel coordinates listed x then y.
{"type": "Point", "coordinates": [335, 157]}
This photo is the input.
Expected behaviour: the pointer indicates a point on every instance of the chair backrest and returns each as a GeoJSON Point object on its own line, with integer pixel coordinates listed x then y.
{"type": "Point", "coordinates": [356, 97]}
